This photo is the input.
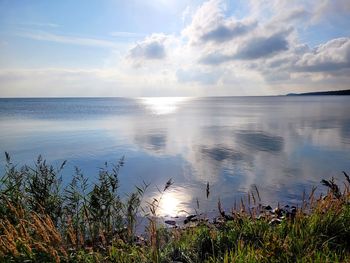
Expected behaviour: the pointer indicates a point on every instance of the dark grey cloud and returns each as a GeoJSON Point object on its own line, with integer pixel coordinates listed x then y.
{"type": "Point", "coordinates": [224, 32]}
{"type": "Point", "coordinates": [330, 59]}
{"type": "Point", "coordinates": [254, 48]}
{"type": "Point", "coordinates": [260, 47]}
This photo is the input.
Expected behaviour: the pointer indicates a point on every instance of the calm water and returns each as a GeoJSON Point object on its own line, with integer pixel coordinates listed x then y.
{"type": "Point", "coordinates": [284, 145]}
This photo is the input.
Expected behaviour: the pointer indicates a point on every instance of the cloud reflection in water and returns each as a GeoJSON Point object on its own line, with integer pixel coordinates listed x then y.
{"type": "Point", "coordinates": [260, 141]}
{"type": "Point", "coordinates": [283, 145]}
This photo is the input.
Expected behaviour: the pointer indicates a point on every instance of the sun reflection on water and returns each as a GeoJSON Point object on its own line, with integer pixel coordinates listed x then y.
{"type": "Point", "coordinates": [163, 105]}
{"type": "Point", "coordinates": [174, 203]}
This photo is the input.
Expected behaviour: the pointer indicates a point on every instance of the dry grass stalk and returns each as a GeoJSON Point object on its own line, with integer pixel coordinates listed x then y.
{"type": "Point", "coordinates": [34, 235]}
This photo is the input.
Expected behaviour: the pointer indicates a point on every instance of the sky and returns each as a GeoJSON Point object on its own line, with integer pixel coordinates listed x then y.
{"type": "Point", "coordinates": [137, 48]}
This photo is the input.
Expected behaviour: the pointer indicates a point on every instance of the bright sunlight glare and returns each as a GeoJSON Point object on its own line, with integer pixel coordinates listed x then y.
{"type": "Point", "coordinates": [174, 203]}
{"type": "Point", "coordinates": [163, 105]}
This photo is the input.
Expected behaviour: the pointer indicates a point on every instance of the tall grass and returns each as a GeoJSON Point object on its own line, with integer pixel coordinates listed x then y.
{"type": "Point", "coordinates": [42, 221]}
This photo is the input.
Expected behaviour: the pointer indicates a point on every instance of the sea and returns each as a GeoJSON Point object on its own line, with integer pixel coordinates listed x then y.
{"type": "Point", "coordinates": [281, 145]}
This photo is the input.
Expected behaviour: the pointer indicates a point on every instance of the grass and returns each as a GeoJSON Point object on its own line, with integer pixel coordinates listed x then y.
{"type": "Point", "coordinates": [40, 221]}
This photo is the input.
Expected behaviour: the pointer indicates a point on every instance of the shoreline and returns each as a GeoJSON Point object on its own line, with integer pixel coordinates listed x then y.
{"type": "Point", "coordinates": [39, 222]}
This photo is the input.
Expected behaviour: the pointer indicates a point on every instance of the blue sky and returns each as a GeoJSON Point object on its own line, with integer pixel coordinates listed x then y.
{"type": "Point", "coordinates": [172, 47]}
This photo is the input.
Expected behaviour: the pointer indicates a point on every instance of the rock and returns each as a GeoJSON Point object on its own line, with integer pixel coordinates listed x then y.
{"type": "Point", "coordinates": [190, 218]}
{"type": "Point", "coordinates": [170, 222]}
{"type": "Point", "coordinates": [292, 213]}
{"type": "Point", "coordinates": [268, 208]}
{"type": "Point", "coordinates": [140, 241]}
{"type": "Point", "coordinates": [260, 217]}
{"type": "Point", "coordinates": [218, 221]}
{"type": "Point", "coordinates": [275, 221]}
{"type": "Point", "coordinates": [278, 211]}
{"type": "Point", "coordinates": [226, 216]}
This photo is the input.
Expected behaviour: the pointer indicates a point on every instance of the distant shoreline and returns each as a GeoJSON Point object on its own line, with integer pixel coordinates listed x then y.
{"type": "Point", "coordinates": [317, 93]}
{"type": "Point", "coordinates": [323, 93]}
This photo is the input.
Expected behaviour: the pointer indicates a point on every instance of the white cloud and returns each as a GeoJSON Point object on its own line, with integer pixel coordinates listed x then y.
{"type": "Point", "coordinates": [215, 54]}
{"type": "Point", "coordinates": [331, 8]}
{"type": "Point", "coordinates": [294, 14]}
{"type": "Point", "coordinates": [56, 82]}
{"type": "Point", "coordinates": [65, 39]}
{"type": "Point", "coordinates": [331, 56]}
{"type": "Point", "coordinates": [209, 24]}
{"type": "Point", "coordinates": [208, 16]}
{"type": "Point", "coordinates": [152, 47]}
{"type": "Point", "coordinates": [186, 14]}
{"type": "Point", "coordinates": [37, 24]}
{"type": "Point", "coordinates": [62, 82]}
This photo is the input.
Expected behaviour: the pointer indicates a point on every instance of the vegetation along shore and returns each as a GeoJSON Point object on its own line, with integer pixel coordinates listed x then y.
{"type": "Point", "coordinates": [42, 221]}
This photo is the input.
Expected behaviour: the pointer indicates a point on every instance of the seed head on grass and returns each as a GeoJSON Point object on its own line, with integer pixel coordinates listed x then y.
{"type": "Point", "coordinates": [347, 177]}
{"type": "Point", "coordinates": [332, 186]}
{"type": "Point", "coordinates": [208, 190]}
{"type": "Point", "coordinates": [168, 184]}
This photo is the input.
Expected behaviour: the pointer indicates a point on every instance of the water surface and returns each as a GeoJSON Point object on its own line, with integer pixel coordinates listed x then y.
{"type": "Point", "coordinates": [283, 145]}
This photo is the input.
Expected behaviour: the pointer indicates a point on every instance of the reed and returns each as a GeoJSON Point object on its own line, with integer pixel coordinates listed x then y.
{"type": "Point", "coordinates": [40, 221]}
